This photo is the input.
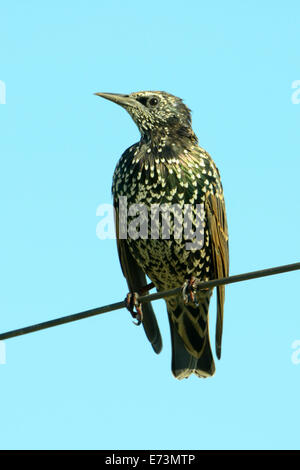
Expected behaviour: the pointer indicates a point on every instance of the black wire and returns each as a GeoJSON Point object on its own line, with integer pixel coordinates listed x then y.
{"type": "Point", "coordinates": [148, 298]}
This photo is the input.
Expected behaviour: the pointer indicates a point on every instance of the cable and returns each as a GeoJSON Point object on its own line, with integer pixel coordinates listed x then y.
{"type": "Point", "coordinates": [148, 298]}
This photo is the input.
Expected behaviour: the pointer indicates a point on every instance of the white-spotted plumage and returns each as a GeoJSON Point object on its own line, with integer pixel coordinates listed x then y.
{"type": "Point", "coordinates": [168, 167]}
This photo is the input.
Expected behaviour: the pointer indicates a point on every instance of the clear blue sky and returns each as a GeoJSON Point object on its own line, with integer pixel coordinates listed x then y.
{"type": "Point", "coordinates": [96, 383]}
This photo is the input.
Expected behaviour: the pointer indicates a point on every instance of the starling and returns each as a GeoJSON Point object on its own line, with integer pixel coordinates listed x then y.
{"type": "Point", "coordinates": [168, 169]}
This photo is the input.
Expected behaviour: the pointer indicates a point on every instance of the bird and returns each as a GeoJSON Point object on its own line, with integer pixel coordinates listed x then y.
{"type": "Point", "coordinates": [168, 169]}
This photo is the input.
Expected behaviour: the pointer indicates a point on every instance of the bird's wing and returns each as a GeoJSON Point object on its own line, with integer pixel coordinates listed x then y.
{"type": "Point", "coordinates": [217, 226]}
{"type": "Point", "coordinates": [136, 280]}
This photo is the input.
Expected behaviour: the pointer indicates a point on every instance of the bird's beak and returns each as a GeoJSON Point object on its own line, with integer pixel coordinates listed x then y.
{"type": "Point", "coordinates": [122, 100]}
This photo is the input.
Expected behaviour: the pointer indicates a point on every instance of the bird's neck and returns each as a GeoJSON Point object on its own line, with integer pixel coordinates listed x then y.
{"type": "Point", "coordinates": [158, 139]}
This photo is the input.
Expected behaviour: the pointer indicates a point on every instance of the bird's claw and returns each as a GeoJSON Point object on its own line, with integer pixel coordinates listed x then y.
{"type": "Point", "coordinates": [189, 290]}
{"type": "Point", "coordinates": [135, 307]}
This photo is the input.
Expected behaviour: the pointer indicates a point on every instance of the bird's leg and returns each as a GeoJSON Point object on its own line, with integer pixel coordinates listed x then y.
{"type": "Point", "coordinates": [189, 290]}
{"type": "Point", "coordinates": [133, 304]}
{"type": "Point", "coordinates": [145, 289]}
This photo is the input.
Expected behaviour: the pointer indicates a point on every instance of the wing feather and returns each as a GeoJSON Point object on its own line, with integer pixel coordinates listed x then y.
{"type": "Point", "coordinates": [217, 225]}
{"type": "Point", "coordinates": [136, 280]}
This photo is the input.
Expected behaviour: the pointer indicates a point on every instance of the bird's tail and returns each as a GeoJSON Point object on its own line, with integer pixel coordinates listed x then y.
{"type": "Point", "coordinates": [191, 351]}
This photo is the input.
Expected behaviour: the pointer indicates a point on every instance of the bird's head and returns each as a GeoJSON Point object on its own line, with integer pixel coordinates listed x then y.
{"type": "Point", "coordinates": [155, 112]}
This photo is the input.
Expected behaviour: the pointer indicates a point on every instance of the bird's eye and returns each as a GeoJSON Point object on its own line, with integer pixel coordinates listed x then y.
{"type": "Point", "coordinates": [153, 101]}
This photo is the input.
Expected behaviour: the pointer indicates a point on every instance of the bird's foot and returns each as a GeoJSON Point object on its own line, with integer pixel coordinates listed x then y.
{"type": "Point", "coordinates": [189, 290]}
{"type": "Point", "coordinates": [134, 306]}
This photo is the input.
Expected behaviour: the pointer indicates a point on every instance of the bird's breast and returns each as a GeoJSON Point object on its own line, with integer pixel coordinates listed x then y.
{"type": "Point", "coordinates": [163, 195]}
